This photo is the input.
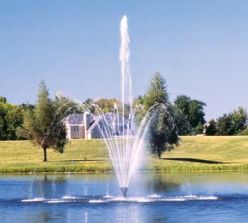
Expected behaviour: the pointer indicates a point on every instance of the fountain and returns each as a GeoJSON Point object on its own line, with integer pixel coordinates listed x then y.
{"type": "Point", "coordinates": [124, 139]}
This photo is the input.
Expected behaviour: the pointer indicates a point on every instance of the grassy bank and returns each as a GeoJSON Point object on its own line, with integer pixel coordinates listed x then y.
{"type": "Point", "coordinates": [194, 154]}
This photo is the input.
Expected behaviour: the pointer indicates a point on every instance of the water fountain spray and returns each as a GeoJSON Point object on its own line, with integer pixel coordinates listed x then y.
{"type": "Point", "coordinates": [123, 138]}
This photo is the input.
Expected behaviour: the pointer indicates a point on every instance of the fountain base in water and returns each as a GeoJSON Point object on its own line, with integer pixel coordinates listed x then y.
{"type": "Point", "coordinates": [124, 191]}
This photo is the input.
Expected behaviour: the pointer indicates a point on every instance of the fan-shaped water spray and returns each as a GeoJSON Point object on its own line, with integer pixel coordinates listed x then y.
{"type": "Point", "coordinates": [124, 139]}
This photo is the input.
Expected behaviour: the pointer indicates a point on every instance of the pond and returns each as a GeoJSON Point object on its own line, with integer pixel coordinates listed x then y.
{"type": "Point", "coordinates": [205, 197]}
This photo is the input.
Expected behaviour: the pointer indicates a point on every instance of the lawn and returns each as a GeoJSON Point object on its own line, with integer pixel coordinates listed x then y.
{"type": "Point", "coordinates": [195, 153]}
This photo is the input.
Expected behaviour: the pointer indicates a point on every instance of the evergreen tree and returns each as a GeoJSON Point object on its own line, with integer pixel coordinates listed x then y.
{"type": "Point", "coordinates": [157, 92]}
{"type": "Point", "coordinates": [45, 123]}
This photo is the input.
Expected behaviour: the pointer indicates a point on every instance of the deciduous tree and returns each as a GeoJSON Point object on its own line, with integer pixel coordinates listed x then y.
{"type": "Point", "coordinates": [163, 133]}
{"type": "Point", "coordinates": [193, 111]}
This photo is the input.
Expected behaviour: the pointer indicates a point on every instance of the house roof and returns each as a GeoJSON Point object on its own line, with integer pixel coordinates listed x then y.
{"type": "Point", "coordinates": [75, 119]}
{"type": "Point", "coordinates": [78, 119]}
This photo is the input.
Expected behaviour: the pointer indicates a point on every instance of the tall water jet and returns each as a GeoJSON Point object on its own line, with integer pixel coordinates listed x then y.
{"type": "Point", "coordinates": [126, 80]}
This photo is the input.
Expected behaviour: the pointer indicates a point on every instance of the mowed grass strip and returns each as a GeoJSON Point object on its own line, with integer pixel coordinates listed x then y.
{"type": "Point", "coordinates": [195, 153]}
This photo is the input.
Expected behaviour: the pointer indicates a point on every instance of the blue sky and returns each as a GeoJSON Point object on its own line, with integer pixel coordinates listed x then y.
{"type": "Point", "coordinates": [200, 48]}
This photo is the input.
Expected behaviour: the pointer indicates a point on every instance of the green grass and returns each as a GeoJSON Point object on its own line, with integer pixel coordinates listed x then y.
{"type": "Point", "coordinates": [195, 153]}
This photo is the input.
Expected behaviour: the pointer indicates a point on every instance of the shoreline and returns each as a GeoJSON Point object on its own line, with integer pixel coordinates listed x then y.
{"type": "Point", "coordinates": [101, 170]}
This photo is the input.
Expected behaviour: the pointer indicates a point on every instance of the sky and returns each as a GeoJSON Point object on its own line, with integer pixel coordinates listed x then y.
{"type": "Point", "coordinates": [200, 47]}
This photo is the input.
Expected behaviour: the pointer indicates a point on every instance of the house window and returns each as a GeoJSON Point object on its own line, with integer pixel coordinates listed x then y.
{"type": "Point", "coordinates": [75, 128]}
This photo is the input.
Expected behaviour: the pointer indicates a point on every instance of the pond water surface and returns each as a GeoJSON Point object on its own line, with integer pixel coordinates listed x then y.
{"type": "Point", "coordinates": [221, 197]}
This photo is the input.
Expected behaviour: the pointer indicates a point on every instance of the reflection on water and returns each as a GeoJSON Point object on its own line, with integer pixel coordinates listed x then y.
{"type": "Point", "coordinates": [202, 198]}
{"type": "Point", "coordinates": [160, 184]}
{"type": "Point", "coordinates": [48, 187]}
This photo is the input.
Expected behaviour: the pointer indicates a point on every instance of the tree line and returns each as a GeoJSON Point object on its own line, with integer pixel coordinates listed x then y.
{"type": "Point", "coordinates": [233, 123]}
{"type": "Point", "coordinates": [189, 114]}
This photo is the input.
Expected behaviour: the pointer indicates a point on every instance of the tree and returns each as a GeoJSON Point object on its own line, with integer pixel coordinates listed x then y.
{"type": "Point", "coordinates": [193, 110]}
{"type": "Point", "coordinates": [156, 92]}
{"type": "Point", "coordinates": [233, 123]}
{"type": "Point", "coordinates": [3, 123]}
{"type": "Point", "coordinates": [224, 125]}
{"type": "Point", "coordinates": [88, 105]}
{"type": "Point", "coordinates": [239, 120]}
{"type": "Point", "coordinates": [45, 124]}
{"type": "Point", "coordinates": [11, 117]}
{"type": "Point", "coordinates": [163, 133]}
{"type": "Point", "coordinates": [140, 112]}
{"type": "Point", "coordinates": [181, 121]}
{"type": "Point", "coordinates": [107, 105]}
{"type": "Point", "coordinates": [196, 113]}
{"type": "Point", "coordinates": [14, 119]}
{"type": "Point", "coordinates": [67, 106]}
{"type": "Point", "coordinates": [211, 128]}
{"type": "Point", "coordinates": [26, 107]}
{"type": "Point", "coordinates": [244, 132]}
{"type": "Point", "coordinates": [3, 100]}
{"type": "Point", "coordinates": [182, 102]}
